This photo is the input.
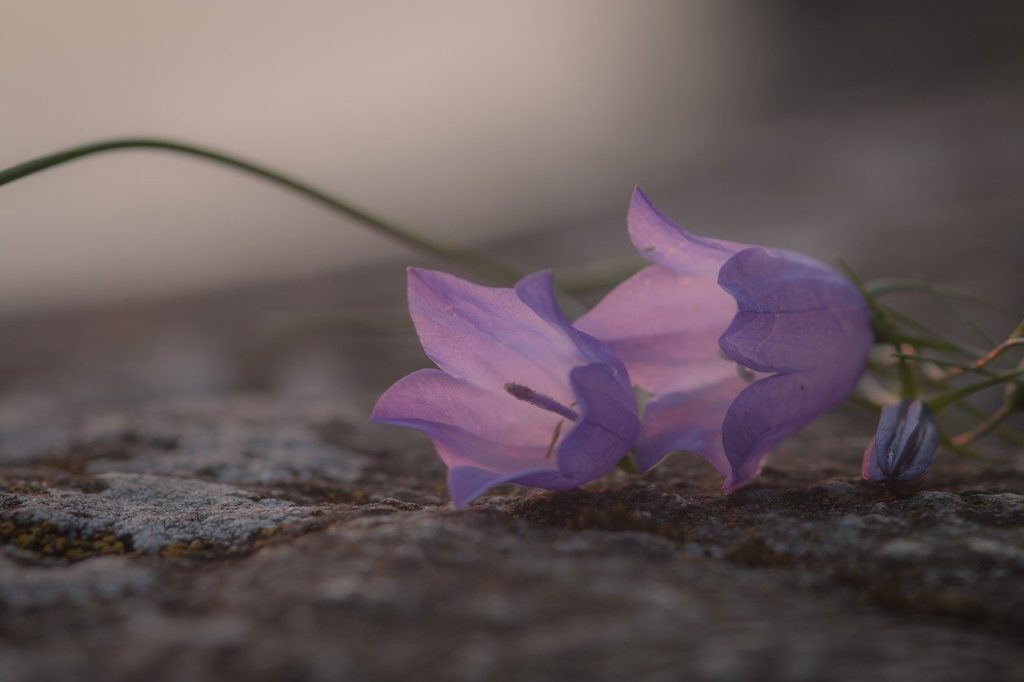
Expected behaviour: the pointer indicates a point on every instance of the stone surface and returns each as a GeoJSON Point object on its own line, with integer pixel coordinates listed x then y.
{"type": "Point", "coordinates": [152, 513]}
{"type": "Point", "coordinates": [126, 559]}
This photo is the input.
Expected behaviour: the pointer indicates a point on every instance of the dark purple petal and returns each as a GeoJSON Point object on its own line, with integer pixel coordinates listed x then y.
{"type": "Point", "coordinates": [466, 483]}
{"type": "Point", "coordinates": [904, 445]}
{"type": "Point", "coordinates": [794, 314]}
{"type": "Point", "coordinates": [607, 428]}
{"type": "Point", "coordinates": [802, 320]}
{"type": "Point", "coordinates": [766, 413]}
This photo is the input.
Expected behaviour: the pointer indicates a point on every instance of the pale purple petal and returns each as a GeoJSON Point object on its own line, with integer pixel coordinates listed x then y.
{"type": "Point", "coordinates": [487, 339]}
{"type": "Point", "coordinates": [469, 424]}
{"type": "Point", "coordinates": [665, 328]}
{"type": "Point", "coordinates": [688, 421]}
{"type": "Point", "coordinates": [604, 435]}
{"type": "Point", "coordinates": [537, 292]}
{"type": "Point", "coordinates": [807, 323]}
{"type": "Point", "coordinates": [486, 445]}
{"type": "Point", "coordinates": [487, 335]}
{"type": "Point", "coordinates": [662, 242]}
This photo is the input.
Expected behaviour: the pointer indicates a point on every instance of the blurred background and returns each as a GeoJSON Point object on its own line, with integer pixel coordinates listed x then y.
{"type": "Point", "coordinates": [821, 125]}
{"type": "Point", "coordinates": [889, 133]}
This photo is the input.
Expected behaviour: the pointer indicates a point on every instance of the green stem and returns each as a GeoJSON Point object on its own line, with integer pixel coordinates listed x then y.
{"type": "Point", "coordinates": [932, 338]}
{"type": "Point", "coordinates": [480, 264]}
{"type": "Point", "coordinates": [889, 285]}
{"type": "Point", "coordinates": [941, 401]}
{"type": "Point", "coordinates": [885, 331]}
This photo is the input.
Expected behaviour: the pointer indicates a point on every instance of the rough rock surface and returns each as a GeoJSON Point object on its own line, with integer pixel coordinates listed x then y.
{"type": "Point", "coordinates": [188, 493]}
{"type": "Point", "coordinates": [250, 538]}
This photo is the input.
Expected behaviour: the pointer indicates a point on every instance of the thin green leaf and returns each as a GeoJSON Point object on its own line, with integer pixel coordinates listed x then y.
{"type": "Point", "coordinates": [942, 401]}
{"type": "Point", "coordinates": [888, 285]}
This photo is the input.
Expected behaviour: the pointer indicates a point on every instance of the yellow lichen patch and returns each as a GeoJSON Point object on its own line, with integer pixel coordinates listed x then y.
{"type": "Point", "coordinates": [179, 549]}
{"type": "Point", "coordinates": [47, 539]}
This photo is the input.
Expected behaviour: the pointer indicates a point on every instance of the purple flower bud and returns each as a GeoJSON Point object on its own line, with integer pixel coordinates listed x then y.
{"type": "Point", "coordinates": [904, 445]}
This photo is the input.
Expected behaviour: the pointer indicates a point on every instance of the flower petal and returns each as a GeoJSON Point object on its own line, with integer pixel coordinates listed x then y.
{"type": "Point", "coordinates": [658, 240]}
{"type": "Point", "coordinates": [766, 413]}
{"type": "Point", "coordinates": [607, 428]}
{"type": "Point", "coordinates": [488, 336]}
{"type": "Point", "coordinates": [794, 314]}
{"type": "Point", "coordinates": [468, 424]}
{"type": "Point", "coordinates": [803, 320]}
{"type": "Point", "coordinates": [665, 328]}
{"type": "Point", "coordinates": [466, 483]}
{"type": "Point", "coordinates": [605, 433]}
{"type": "Point", "coordinates": [538, 292]}
{"type": "Point", "coordinates": [688, 421]}
{"type": "Point", "coordinates": [485, 339]}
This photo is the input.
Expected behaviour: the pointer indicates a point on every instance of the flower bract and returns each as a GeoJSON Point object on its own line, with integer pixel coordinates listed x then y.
{"type": "Point", "coordinates": [519, 396]}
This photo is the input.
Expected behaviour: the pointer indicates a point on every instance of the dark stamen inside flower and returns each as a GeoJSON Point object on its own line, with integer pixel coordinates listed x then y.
{"type": "Point", "coordinates": [540, 400]}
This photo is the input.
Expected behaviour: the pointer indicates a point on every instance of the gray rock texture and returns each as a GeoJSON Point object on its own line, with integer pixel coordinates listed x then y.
{"type": "Point", "coordinates": [151, 513]}
{"type": "Point", "coordinates": [358, 569]}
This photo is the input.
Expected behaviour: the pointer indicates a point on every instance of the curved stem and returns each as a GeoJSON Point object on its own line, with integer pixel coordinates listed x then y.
{"type": "Point", "coordinates": [884, 331]}
{"type": "Point", "coordinates": [480, 264]}
{"type": "Point", "coordinates": [944, 400]}
{"type": "Point", "coordinates": [987, 359]}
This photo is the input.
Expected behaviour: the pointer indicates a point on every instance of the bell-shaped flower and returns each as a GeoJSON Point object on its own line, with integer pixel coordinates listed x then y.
{"type": "Point", "coordinates": [739, 346]}
{"type": "Point", "coordinates": [904, 444]}
{"type": "Point", "coordinates": [521, 395]}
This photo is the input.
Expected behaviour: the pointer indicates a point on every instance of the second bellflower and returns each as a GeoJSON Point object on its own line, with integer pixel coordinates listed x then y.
{"type": "Point", "coordinates": [521, 395]}
{"type": "Point", "coordinates": [794, 333]}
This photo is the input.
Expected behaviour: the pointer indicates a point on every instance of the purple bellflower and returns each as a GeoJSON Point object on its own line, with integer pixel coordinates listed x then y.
{"type": "Point", "coordinates": [795, 336]}
{"type": "Point", "coordinates": [904, 445]}
{"type": "Point", "coordinates": [521, 395]}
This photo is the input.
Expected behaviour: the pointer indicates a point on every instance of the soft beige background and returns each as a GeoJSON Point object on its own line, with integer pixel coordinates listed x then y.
{"type": "Point", "coordinates": [882, 131]}
{"type": "Point", "coordinates": [459, 118]}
